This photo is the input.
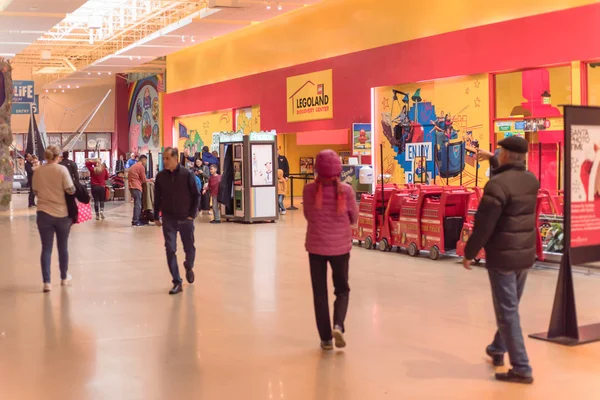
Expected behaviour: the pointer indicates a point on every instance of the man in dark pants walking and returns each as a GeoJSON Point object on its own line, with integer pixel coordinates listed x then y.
{"type": "Point", "coordinates": [505, 226]}
{"type": "Point", "coordinates": [29, 172]}
{"type": "Point", "coordinates": [176, 198]}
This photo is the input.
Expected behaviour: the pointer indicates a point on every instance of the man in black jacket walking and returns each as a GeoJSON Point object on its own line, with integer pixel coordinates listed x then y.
{"type": "Point", "coordinates": [505, 226]}
{"type": "Point", "coordinates": [176, 197]}
{"type": "Point", "coordinates": [29, 172]}
{"type": "Point", "coordinates": [71, 166]}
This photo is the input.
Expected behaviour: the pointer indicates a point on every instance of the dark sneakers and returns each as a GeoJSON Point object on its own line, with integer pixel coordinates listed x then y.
{"type": "Point", "coordinates": [215, 221]}
{"type": "Point", "coordinates": [189, 273]}
{"type": "Point", "coordinates": [497, 358]}
{"type": "Point", "coordinates": [338, 336]}
{"type": "Point", "coordinates": [327, 345]}
{"type": "Point", "coordinates": [513, 377]}
{"type": "Point", "coordinates": [176, 289]}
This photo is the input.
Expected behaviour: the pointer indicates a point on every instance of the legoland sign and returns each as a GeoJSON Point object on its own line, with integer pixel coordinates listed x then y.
{"type": "Point", "coordinates": [310, 96]}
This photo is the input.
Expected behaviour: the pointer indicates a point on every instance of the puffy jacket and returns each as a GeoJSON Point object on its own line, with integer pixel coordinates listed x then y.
{"type": "Point", "coordinates": [329, 233]}
{"type": "Point", "coordinates": [505, 222]}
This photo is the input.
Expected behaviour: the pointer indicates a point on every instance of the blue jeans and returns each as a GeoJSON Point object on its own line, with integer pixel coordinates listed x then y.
{"type": "Point", "coordinates": [186, 231]}
{"type": "Point", "coordinates": [137, 205]}
{"type": "Point", "coordinates": [216, 208]}
{"type": "Point", "coordinates": [507, 288]}
{"type": "Point", "coordinates": [48, 226]}
{"type": "Point", "coordinates": [281, 206]}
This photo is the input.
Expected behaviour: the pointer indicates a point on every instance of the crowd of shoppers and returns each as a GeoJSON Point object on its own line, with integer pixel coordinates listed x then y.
{"type": "Point", "coordinates": [504, 226]}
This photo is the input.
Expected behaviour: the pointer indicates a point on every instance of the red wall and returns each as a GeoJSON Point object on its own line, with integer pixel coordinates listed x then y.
{"type": "Point", "coordinates": [553, 38]}
{"type": "Point", "coordinates": [120, 137]}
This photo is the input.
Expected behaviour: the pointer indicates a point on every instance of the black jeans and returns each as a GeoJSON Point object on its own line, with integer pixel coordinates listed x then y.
{"type": "Point", "coordinates": [48, 226]}
{"type": "Point", "coordinates": [31, 194]}
{"type": "Point", "coordinates": [318, 273]}
{"type": "Point", "coordinates": [99, 195]}
{"type": "Point", "coordinates": [186, 231]}
{"type": "Point", "coordinates": [137, 205]}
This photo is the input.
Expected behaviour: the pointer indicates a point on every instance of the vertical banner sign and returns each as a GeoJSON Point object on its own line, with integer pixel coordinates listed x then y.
{"type": "Point", "coordinates": [310, 96]}
{"type": "Point", "coordinates": [361, 139]}
{"type": "Point", "coordinates": [583, 158]}
{"type": "Point", "coordinates": [23, 97]}
{"type": "Point", "coordinates": [581, 223]}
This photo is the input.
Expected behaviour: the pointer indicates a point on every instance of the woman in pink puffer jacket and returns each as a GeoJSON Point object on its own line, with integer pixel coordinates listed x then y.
{"type": "Point", "coordinates": [330, 209]}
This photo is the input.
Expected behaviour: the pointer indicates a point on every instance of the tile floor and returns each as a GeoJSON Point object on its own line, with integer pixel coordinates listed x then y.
{"type": "Point", "coordinates": [245, 330]}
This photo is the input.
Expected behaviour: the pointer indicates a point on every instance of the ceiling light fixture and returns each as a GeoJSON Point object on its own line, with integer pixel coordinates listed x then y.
{"type": "Point", "coordinates": [279, 6]}
{"type": "Point", "coordinates": [68, 86]}
{"type": "Point", "coordinates": [183, 38]}
{"type": "Point", "coordinates": [54, 90]}
{"type": "Point", "coordinates": [110, 73]}
{"type": "Point", "coordinates": [63, 90]}
{"type": "Point", "coordinates": [89, 73]}
{"type": "Point", "coordinates": [130, 58]}
{"type": "Point", "coordinates": [77, 86]}
{"type": "Point", "coordinates": [99, 73]}
{"type": "Point", "coordinates": [60, 86]}
{"type": "Point", "coordinates": [46, 90]}
{"type": "Point", "coordinates": [193, 40]}
{"type": "Point", "coordinates": [268, 4]}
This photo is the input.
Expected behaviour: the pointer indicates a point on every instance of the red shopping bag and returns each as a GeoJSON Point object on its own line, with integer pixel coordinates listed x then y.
{"type": "Point", "coordinates": [84, 212]}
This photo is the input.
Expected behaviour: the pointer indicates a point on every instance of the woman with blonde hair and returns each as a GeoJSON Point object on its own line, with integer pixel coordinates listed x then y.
{"type": "Point", "coordinates": [98, 178]}
{"type": "Point", "coordinates": [51, 182]}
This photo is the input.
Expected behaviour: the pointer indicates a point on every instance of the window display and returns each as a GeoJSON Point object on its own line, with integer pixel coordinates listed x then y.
{"type": "Point", "coordinates": [262, 166]}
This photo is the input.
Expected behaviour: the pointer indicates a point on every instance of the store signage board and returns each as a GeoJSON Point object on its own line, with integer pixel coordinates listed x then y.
{"type": "Point", "coordinates": [362, 139]}
{"type": "Point", "coordinates": [262, 136]}
{"type": "Point", "coordinates": [581, 222]}
{"type": "Point", "coordinates": [310, 96]}
{"type": "Point", "coordinates": [23, 92]}
{"type": "Point", "coordinates": [230, 137]}
{"type": "Point", "coordinates": [25, 108]}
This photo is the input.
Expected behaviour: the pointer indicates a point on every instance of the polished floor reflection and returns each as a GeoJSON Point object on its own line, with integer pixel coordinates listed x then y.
{"type": "Point", "coordinates": [417, 329]}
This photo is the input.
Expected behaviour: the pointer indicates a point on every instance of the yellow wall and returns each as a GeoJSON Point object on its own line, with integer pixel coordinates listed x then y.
{"type": "Point", "coordinates": [593, 86]}
{"type": "Point", "coordinates": [335, 27]}
{"type": "Point", "coordinates": [287, 145]}
{"type": "Point", "coordinates": [509, 89]}
{"type": "Point", "coordinates": [201, 128]}
{"type": "Point", "coordinates": [466, 99]}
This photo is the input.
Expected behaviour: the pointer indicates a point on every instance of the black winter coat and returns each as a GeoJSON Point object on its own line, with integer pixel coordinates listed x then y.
{"type": "Point", "coordinates": [505, 222]}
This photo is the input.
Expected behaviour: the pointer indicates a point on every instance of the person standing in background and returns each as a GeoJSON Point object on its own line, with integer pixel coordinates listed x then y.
{"type": "Point", "coordinates": [281, 187]}
{"type": "Point", "coordinates": [120, 164]}
{"type": "Point", "coordinates": [70, 165]}
{"type": "Point", "coordinates": [213, 187]}
{"type": "Point", "coordinates": [131, 162]}
{"type": "Point", "coordinates": [283, 163]}
{"type": "Point", "coordinates": [137, 178]}
{"type": "Point", "coordinates": [50, 183]}
{"type": "Point", "coordinates": [505, 226]}
{"type": "Point", "coordinates": [176, 198]}
{"type": "Point", "coordinates": [29, 172]}
{"type": "Point", "coordinates": [330, 209]}
{"type": "Point", "coordinates": [98, 178]}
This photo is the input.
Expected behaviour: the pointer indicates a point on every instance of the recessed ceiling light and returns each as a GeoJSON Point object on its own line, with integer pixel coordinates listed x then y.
{"type": "Point", "coordinates": [60, 86]}
{"type": "Point", "coordinates": [99, 73]}
{"type": "Point", "coordinates": [89, 73]}
{"type": "Point", "coordinates": [139, 57]}
{"type": "Point", "coordinates": [54, 90]}
{"type": "Point", "coordinates": [77, 86]}
{"type": "Point", "coordinates": [68, 86]}
{"type": "Point", "coordinates": [110, 73]}
{"type": "Point", "coordinates": [63, 90]}
{"type": "Point", "coordinates": [183, 38]}
{"type": "Point", "coordinates": [193, 40]}
{"type": "Point", "coordinates": [46, 90]}
{"type": "Point", "coordinates": [130, 58]}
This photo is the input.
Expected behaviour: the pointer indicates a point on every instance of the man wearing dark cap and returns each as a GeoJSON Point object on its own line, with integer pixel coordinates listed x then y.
{"type": "Point", "coordinates": [505, 227]}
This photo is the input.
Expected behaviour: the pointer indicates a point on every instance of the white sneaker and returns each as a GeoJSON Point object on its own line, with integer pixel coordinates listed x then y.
{"type": "Point", "coordinates": [47, 287]}
{"type": "Point", "coordinates": [66, 282]}
{"type": "Point", "coordinates": [338, 337]}
{"type": "Point", "coordinates": [102, 214]}
{"type": "Point", "coordinates": [283, 212]}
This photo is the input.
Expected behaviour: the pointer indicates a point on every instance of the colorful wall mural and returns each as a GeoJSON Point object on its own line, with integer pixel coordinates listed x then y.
{"type": "Point", "coordinates": [145, 128]}
{"type": "Point", "coordinates": [196, 131]}
{"type": "Point", "coordinates": [431, 131]}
